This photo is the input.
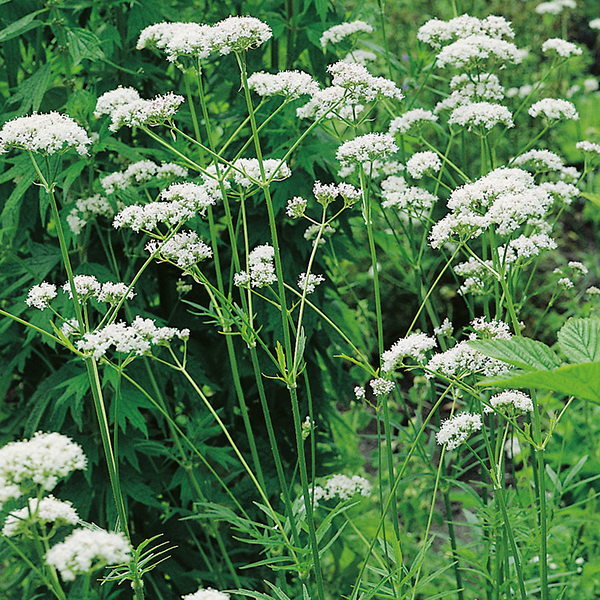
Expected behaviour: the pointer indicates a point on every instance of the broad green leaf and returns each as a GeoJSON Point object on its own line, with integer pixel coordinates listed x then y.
{"type": "Point", "coordinates": [83, 44]}
{"type": "Point", "coordinates": [579, 340]}
{"type": "Point", "coordinates": [525, 353]}
{"type": "Point", "coordinates": [580, 380]}
{"type": "Point", "coordinates": [21, 26]}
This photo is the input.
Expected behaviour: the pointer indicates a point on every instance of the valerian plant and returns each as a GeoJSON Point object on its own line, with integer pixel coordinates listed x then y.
{"type": "Point", "coordinates": [450, 192]}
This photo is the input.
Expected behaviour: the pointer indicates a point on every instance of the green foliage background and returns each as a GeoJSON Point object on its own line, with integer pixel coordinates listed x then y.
{"type": "Point", "coordinates": [62, 56]}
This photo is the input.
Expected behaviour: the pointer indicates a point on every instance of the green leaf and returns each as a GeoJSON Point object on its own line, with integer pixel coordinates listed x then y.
{"type": "Point", "coordinates": [525, 353]}
{"type": "Point", "coordinates": [32, 90]}
{"type": "Point", "coordinates": [580, 380]}
{"type": "Point", "coordinates": [83, 44]}
{"type": "Point", "coordinates": [21, 26]}
{"type": "Point", "coordinates": [595, 198]}
{"type": "Point", "coordinates": [579, 340]}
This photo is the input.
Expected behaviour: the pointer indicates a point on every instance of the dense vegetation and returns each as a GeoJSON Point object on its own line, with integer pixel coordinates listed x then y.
{"type": "Point", "coordinates": [312, 306]}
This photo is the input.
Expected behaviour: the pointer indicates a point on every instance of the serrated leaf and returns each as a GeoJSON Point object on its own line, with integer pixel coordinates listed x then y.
{"type": "Point", "coordinates": [580, 380]}
{"type": "Point", "coordinates": [83, 44]}
{"type": "Point", "coordinates": [520, 352]}
{"type": "Point", "coordinates": [579, 340]}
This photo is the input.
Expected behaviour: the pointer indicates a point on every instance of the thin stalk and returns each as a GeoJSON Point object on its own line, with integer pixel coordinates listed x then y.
{"type": "Point", "coordinates": [451, 533]}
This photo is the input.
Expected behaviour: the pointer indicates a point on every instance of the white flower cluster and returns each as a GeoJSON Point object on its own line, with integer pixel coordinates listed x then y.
{"type": "Point", "coordinates": [113, 293]}
{"type": "Point", "coordinates": [361, 86]}
{"type": "Point", "coordinates": [85, 550]}
{"type": "Point", "coordinates": [415, 346]}
{"type": "Point", "coordinates": [40, 461]}
{"type": "Point", "coordinates": [496, 330]}
{"type": "Point", "coordinates": [136, 338]}
{"type": "Point", "coordinates": [525, 247]}
{"type": "Point", "coordinates": [471, 87]}
{"type": "Point", "coordinates": [291, 84]}
{"type": "Point", "coordinates": [366, 148]}
{"type": "Point", "coordinates": [454, 431]}
{"type": "Point", "coordinates": [44, 133]}
{"type": "Point", "coordinates": [146, 217]}
{"type": "Point", "coordinates": [423, 163]}
{"type": "Point", "coordinates": [185, 249]}
{"type": "Point", "coordinates": [274, 169]}
{"type": "Point", "coordinates": [138, 112]}
{"type": "Point", "coordinates": [86, 286]}
{"type": "Point", "coordinates": [352, 85]}
{"type": "Point", "coordinates": [594, 24]}
{"type": "Point", "coordinates": [586, 146]}
{"type": "Point", "coordinates": [296, 207]}
{"type": "Point", "coordinates": [416, 116]}
{"type": "Point", "coordinates": [86, 209]}
{"type": "Point", "coordinates": [561, 47]}
{"type": "Point", "coordinates": [178, 39]}
{"type": "Point", "coordinates": [40, 295]}
{"type": "Point", "coordinates": [182, 202]}
{"type": "Point", "coordinates": [234, 34]}
{"type": "Point", "coordinates": [397, 194]}
{"type": "Point", "coordinates": [540, 160]}
{"type": "Point", "coordinates": [194, 196]}
{"type": "Point", "coordinates": [481, 114]}
{"type": "Point", "coordinates": [140, 172]}
{"type": "Point", "coordinates": [337, 33]}
{"type": "Point", "coordinates": [111, 100]}
{"type": "Point", "coordinates": [511, 401]}
{"type": "Point", "coordinates": [261, 270]}
{"type": "Point", "coordinates": [554, 7]}
{"type": "Point", "coordinates": [471, 40]}
{"type": "Point", "coordinates": [474, 49]}
{"type": "Point", "coordinates": [313, 281]}
{"type": "Point", "coordinates": [362, 57]}
{"type": "Point", "coordinates": [332, 102]}
{"type": "Point", "coordinates": [328, 192]}
{"type": "Point", "coordinates": [381, 387]}
{"type": "Point", "coordinates": [342, 487]}
{"type": "Point", "coordinates": [436, 32]}
{"type": "Point", "coordinates": [206, 594]}
{"type": "Point", "coordinates": [445, 329]}
{"type": "Point", "coordinates": [42, 511]}
{"type": "Point", "coordinates": [462, 360]}
{"type": "Point", "coordinates": [504, 197]}
{"type": "Point", "coordinates": [554, 109]}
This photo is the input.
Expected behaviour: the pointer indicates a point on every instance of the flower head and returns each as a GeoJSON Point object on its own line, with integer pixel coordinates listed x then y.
{"type": "Point", "coordinates": [337, 33]}
{"type": "Point", "coordinates": [366, 148]}
{"type": "Point", "coordinates": [39, 296]}
{"type": "Point", "coordinates": [236, 34]}
{"type": "Point", "coordinates": [42, 511]}
{"type": "Point", "coordinates": [44, 133]}
{"type": "Point", "coordinates": [291, 84]}
{"type": "Point", "coordinates": [415, 346]}
{"type": "Point", "coordinates": [561, 47]}
{"type": "Point", "coordinates": [39, 461]}
{"type": "Point", "coordinates": [422, 163]}
{"type": "Point", "coordinates": [554, 109]}
{"type": "Point", "coordinates": [456, 430]}
{"type": "Point", "coordinates": [511, 401]}
{"type": "Point", "coordinates": [86, 550]}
